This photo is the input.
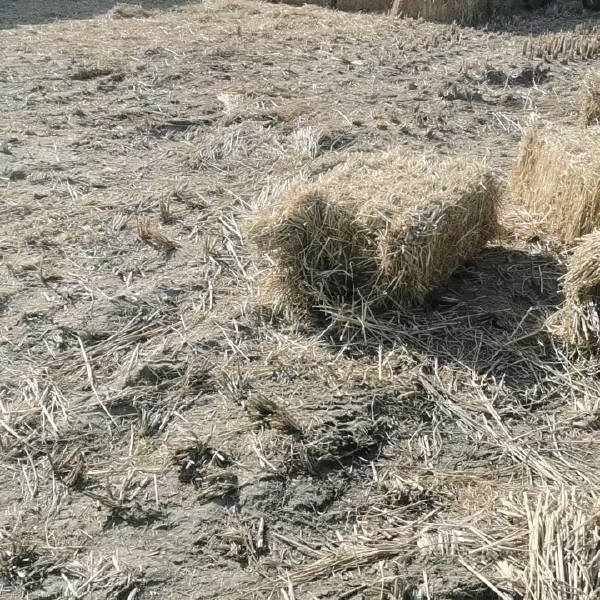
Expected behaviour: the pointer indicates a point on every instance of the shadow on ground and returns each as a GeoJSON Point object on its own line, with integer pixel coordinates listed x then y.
{"type": "Point", "coordinates": [489, 318]}
{"type": "Point", "coordinates": [38, 12]}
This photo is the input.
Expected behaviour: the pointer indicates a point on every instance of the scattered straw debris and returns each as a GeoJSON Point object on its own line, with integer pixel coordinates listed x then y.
{"type": "Point", "coordinates": [461, 11]}
{"type": "Point", "coordinates": [578, 322]}
{"type": "Point", "coordinates": [589, 107]}
{"type": "Point", "coordinates": [378, 229]}
{"type": "Point", "coordinates": [557, 176]}
{"type": "Point", "coordinates": [164, 206]}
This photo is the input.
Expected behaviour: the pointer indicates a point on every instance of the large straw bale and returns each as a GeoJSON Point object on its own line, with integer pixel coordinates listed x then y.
{"type": "Point", "coordinates": [378, 229]}
{"type": "Point", "coordinates": [461, 11]}
{"type": "Point", "coordinates": [578, 321]}
{"type": "Point", "coordinates": [589, 106]}
{"type": "Point", "coordinates": [557, 177]}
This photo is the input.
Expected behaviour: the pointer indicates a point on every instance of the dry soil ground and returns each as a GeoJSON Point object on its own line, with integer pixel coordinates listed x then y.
{"type": "Point", "coordinates": [161, 435]}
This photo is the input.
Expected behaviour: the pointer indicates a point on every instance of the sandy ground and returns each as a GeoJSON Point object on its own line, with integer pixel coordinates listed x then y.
{"type": "Point", "coordinates": [161, 437]}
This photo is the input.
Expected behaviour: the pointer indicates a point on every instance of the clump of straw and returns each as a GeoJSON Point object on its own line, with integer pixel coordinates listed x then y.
{"type": "Point", "coordinates": [557, 177]}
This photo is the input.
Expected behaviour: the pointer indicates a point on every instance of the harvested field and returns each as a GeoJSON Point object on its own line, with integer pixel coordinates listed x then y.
{"type": "Point", "coordinates": [161, 434]}
{"type": "Point", "coordinates": [557, 177]}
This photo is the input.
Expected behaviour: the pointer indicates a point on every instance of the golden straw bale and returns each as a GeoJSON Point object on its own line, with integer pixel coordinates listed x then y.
{"type": "Point", "coordinates": [578, 321]}
{"type": "Point", "coordinates": [557, 177]}
{"type": "Point", "coordinates": [378, 229]}
{"type": "Point", "coordinates": [589, 106]}
{"type": "Point", "coordinates": [461, 11]}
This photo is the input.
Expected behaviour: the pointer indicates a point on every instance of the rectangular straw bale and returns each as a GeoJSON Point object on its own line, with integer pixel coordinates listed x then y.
{"type": "Point", "coordinates": [461, 11]}
{"type": "Point", "coordinates": [379, 228]}
{"type": "Point", "coordinates": [589, 104]}
{"type": "Point", "coordinates": [578, 321]}
{"type": "Point", "coordinates": [557, 177]}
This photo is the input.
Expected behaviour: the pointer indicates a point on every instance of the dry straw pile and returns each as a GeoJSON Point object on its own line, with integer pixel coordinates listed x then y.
{"type": "Point", "coordinates": [578, 322]}
{"type": "Point", "coordinates": [461, 11]}
{"type": "Point", "coordinates": [557, 177]}
{"type": "Point", "coordinates": [589, 108]}
{"type": "Point", "coordinates": [379, 229]}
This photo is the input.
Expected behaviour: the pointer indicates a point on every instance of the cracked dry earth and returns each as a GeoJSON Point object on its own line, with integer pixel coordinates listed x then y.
{"type": "Point", "coordinates": [163, 437]}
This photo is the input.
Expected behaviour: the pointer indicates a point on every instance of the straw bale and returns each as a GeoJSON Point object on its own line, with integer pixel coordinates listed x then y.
{"type": "Point", "coordinates": [461, 11]}
{"type": "Point", "coordinates": [557, 177]}
{"type": "Point", "coordinates": [578, 321]}
{"type": "Point", "coordinates": [589, 106]}
{"type": "Point", "coordinates": [378, 229]}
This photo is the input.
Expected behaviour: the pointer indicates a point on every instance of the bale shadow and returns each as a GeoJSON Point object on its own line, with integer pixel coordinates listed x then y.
{"type": "Point", "coordinates": [558, 16]}
{"type": "Point", "coordinates": [37, 12]}
{"type": "Point", "coordinates": [489, 318]}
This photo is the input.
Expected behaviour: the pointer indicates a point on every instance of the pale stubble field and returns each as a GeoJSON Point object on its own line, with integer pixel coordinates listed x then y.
{"type": "Point", "coordinates": [162, 435]}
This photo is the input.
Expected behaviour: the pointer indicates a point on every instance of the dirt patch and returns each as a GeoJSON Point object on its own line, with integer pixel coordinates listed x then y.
{"type": "Point", "coordinates": [162, 434]}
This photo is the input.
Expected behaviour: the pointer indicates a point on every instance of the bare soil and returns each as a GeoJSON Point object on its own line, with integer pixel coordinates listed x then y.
{"type": "Point", "coordinates": [161, 434]}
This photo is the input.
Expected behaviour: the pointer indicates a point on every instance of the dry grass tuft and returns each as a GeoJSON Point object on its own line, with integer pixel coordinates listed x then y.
{"type": "Point", "coordinates": [589, 107]}
{"type": "Point", "coordinates": [164, 206]}
{"type": "Point", "coordinates": [70, 467]}
{"type": "Point", "coordinates": [267, 411]}
{"type": "Point", "coordinates": [147, 232]}
{"type": "Point", "coordinates": [580, 44]}
{"type": "Point", "coordinates": [21, 564]}
{"type": "Point", "coordinates": [461, 11]}
{"type": "Point", "coordinates": [195, 459]}
{"type": "Point", "coordinates": [557, 177]}
{"type": "Point", "coordinates": [578, 322]}
{"type": "Point", "coordinates": [378, 230]}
